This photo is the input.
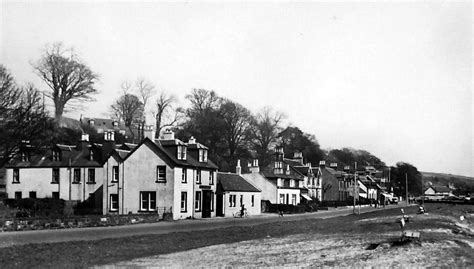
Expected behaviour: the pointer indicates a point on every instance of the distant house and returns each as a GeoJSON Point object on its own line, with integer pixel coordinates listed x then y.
{"type": "Point", "coordinates": [233, 191]}
{"type": "Point", "coordinates": [335, 185]}
{"type": "Point", "coordinates": [441, 191]}
{"type": "Point", "coordinates": [311, 185]}
{"type": "Point", "coordinates": [279, 182]}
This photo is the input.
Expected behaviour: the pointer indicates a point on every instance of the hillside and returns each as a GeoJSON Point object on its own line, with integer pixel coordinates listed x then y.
{"type": "Point", "coordinates": [463, 184]}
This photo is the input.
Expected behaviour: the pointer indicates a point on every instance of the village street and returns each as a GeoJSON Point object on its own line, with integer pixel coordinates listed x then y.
{"type": "Point", "coordinates": [64, 235]}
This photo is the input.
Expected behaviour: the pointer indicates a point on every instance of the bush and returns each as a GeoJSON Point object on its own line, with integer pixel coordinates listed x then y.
{"type": "Point", "coordinates": [29, 207]}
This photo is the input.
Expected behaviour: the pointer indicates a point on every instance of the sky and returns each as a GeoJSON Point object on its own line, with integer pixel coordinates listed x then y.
{"type": "Point", "coordinates": [393, 78]}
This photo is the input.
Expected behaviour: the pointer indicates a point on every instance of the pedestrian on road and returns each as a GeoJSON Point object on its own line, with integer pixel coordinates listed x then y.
{"type": "Point", "coordinates": [280, 210]}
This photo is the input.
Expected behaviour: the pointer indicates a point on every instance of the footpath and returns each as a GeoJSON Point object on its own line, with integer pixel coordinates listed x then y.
{"type": "Point", "coordinates": [163, 227]}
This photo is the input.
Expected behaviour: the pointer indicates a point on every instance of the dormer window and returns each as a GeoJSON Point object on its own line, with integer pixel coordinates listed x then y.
{"type": "Point", "coordinates": [25, 157]}
{"type": "Point", "coordinates": [181, 153]}
{"type": "Point", "coordinates": [91, 155]}
{"type": "Point", "coordinates": [279, 182]}
{"type": "Point", "coordinates": [292, 183]}
{"type": "Point", "coordinates": [278, 164]}
{"type": "Point", "coordinates": [202, 155]}
{"type": "Point", "coordinates": [56, 155]}
{"type": "Point", "coordinates": [287, 169]}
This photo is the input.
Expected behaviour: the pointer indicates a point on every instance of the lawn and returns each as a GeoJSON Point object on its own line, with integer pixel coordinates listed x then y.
{"type": "Point", "coordinates": [358, 240]}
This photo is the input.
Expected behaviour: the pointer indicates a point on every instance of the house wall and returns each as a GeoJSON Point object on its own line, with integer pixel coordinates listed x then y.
{"type": "Point", "coordinates": [139, 175]}
{"type": "Point", "coordinates": [290, 192]}
{"type": "Point", "coordinates": [269, 189]}
{"type": "Point", "coordinates": [247, 201]}
{"type": "Point", "coordinates": [331, 194]}
{"type": "Point", "coordinates": [204, 185]}
{"type": "Point", "coordinates": [39, 180]}
{"type": "Point", "coordinates": [430, 191]}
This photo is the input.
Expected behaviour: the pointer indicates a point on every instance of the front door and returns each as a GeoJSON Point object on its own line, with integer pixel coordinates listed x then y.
{"type": "Point", "coordinates": [206, 203]}
{"type": "Point", "coordinates": [219, 205]}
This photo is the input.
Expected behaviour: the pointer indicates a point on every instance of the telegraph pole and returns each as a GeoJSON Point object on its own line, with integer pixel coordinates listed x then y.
{"type": "Point", "coordinates": [354, 194]}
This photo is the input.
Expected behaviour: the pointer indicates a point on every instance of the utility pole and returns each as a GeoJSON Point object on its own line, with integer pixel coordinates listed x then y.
{"type": "Point", "coordinates": [354, 194]}
{"type": "Point", "coordinates": [406, 187]}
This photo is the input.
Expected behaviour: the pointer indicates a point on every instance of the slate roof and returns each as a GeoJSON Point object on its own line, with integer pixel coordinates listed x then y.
{"type": "Point", "coordinates": [235, 182]}
{"type": "Point", "coordinates": [440, 189]}
{"type": "Point", "coordinates": [70, 156]}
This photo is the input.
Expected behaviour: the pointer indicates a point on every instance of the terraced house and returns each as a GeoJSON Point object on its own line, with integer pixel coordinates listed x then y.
{"type": "Point", "coordinates": [69, 172]}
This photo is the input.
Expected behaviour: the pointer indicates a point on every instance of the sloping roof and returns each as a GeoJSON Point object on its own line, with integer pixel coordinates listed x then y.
{"type": "Point", "coordinates": [304, 170]}
{"type": "Point", "coordinates": [70, 156]}
{"type": "Point", "coordinates": [235, 182]}
{"type": "Point", "coordinates": [292, 162]}
{"type": "Point", "coordinates": [170, 158]}
{"type": "Point", "coordinates": [268, 172]}
{"type": "Point", "coordinates": [441, 189]}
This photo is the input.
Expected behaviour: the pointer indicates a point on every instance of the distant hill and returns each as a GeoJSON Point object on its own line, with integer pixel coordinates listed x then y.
{"type": "Point", "coordinates": [463, 184]}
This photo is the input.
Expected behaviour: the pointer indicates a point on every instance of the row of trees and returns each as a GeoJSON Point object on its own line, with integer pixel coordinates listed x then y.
{"type": "Point", "coordinates": [230, 130]}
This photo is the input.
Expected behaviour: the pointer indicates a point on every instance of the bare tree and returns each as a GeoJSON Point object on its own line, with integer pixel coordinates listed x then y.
{"type": "Point", "coordinates": [145, 90]}
{"type": "Point", "coordinates": [22, 117]}
{"type": "Point", "coordinates": [128, 108]}
{"type": "Point", "coordinates": [165, 114]}
{"type": "Point", "coordinates": [266, 129]}
{"type": "Point", "coordinates": [67, 76]}
{"type": "Point", "coordinates": [237, 120]}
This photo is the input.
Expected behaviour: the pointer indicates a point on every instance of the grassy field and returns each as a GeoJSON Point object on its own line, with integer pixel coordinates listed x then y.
{"type": "Point", "coordinates": [364, 240]}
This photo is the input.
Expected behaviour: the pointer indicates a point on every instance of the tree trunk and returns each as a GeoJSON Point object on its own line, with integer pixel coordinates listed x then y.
{"type": "Point", "coordinates": [59, 109]}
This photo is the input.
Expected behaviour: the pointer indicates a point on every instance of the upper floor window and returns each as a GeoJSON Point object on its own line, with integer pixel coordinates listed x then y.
{"type": "Point", "coordinates": [278, 164]}
{"type": "Point", "coordinates": [181, 153]}
{"type": "Point", "coordinates": [77, 175]}
{"type": "Point", "coordinates": [16, 175]}
{"type": "Point", "coordinates": [160, 173]}
{"type": "Point", "coordinates": [55, 178]}
{"type": "Point", "coordinates": [184, 176]}
{"type": "Point", "coordinates": [202, 155]}
{"type": "Point", "coordinates": [211, 177]}
{"type": "Point", "coordinates": [184, 201]}
{"type": "Point", "coordinates": [198, 176]}
{"type": "Point", "coordinates": [91, 155]}
{"type": "Point", "coordinates": [115, 173]}
{"type": "Point", "coordinates": [279, 182]}
{"type": "Point", "coordinates": [292, 183]}
{"type": "Point", "coordinates": [56, 155]}
{"type": "Point", "coordinates": [91, 175]}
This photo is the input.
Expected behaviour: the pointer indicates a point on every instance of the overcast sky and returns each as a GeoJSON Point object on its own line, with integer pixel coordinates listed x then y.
{"type": "Point", "coordinates": [391, 78]}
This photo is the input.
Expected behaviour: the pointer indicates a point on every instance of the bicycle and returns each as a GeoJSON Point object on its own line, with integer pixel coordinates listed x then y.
{"type": "Point", "coordinates": [238, 214]}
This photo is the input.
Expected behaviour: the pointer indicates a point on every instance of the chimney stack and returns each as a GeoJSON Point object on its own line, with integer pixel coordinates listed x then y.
{"type": "Point", "coordinates": [149, 132]}
{"type": "Point", "coordinates": [192, 140]}
{"type": "Point", "coordinates": [298, 156]}
{"type": "Point", "coordinates": [167, 135]}
{"type": "Point", "coordinates": [238, 169]}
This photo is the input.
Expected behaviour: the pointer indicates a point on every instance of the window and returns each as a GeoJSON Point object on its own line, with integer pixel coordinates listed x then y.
{"type": "Point", "coordinates": [91, 155]}
{"type": "Point", "coordinates": [25, 157]}
{"type": "Point", "coordinates": [55, 179]}
{"type": "Point", "coordinates": [18, 195]}
{"type": "Point", "coordinates": [197, 201]}
{"type": "Point", "coordinates": [114, 202]}
{"type": "Point", "coordinates": [160, 173]}
{"type": "Point", "coordinates": [184, 176]}
{"type": "Point", "coordinates": [241, 200]}
{"type": "Point", "coordinates": [287, 198]}
{"type": "Point", "coordinates": [147, 201]}
{"type": "Point", "coordinates": [198, 176]}
{"type": "Point", "coordinates": [16, 175]}
{"type": "Point", "coordinates": [279, 182]}
{"type": "Point", "coordinates": [292, 182]}
{"type": "Point", "coordinates": [91, 178]}
{"type": "Point", "coordinates": [293, 199]}
{"type": "Point", "coordinates": [232, 199]}
{"type": "Point", "coordinates": [202, 155]}
{"type": "Point", "coordinates": [56, 155]}
{"type": "Point", "coordinates": [252, 200]}
{"type": "Point", "coordinates": [33, 194]}
{"type": "Point", "coordinates": [55, 195]}
{"type": "Point", "coordinates": [77, 176]}
{"type": "Point", "coordinates": [278, 164]}
{"type": "Point", "coordinates": [115, 173]}
{"type": "Point", "coordinates": [282, 198]}
{"type": "Point", "coordinates": [211, 177]}
{"type": "Point", "coordinates": [181, 153]}
{"type": "Point", "coordinates": [184, 201]}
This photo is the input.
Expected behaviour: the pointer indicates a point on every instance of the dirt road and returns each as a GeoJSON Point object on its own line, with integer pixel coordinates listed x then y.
{"type": "Point", "coordinates": [65, 235]}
